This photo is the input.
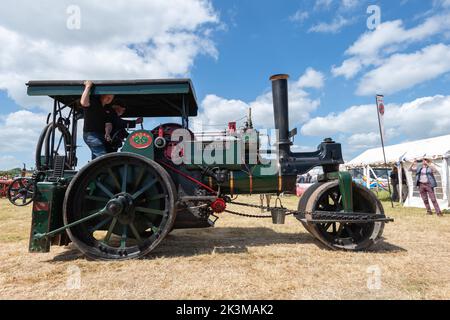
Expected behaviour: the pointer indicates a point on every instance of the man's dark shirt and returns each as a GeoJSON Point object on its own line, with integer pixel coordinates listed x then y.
{"type": "Point", "coordinates": [394, 177]}
{"type": "Point", "coordinates": [118, 124]}
{"type": "Point", "coordinates": [118, 131]}
{"type": "Point", "coordinates": [94, 116]}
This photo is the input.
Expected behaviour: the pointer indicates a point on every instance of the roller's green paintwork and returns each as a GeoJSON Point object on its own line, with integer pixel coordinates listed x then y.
{"type": "Point", "coordinates": [345, 186]}
{"type": "Point", "coordinates": [219, 158]}
{"type": "Point", "coordinates": [148, 152]}
{"type": "Point", "coordinates": [329, 176]}
{"type": "Point", "coordinates": [52, 194]}
{"type": "Point", "coordinates": [53, 232]}
{"type": "Point", "coordinates": [228, 155]}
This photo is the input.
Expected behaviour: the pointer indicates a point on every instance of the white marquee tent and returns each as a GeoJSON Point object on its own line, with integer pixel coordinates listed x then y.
{"type": "Point", "coordinates": [437, 149]}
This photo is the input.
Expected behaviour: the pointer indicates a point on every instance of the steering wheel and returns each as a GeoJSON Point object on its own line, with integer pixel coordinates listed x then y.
{"type": "Point", "coordinates": [120, 136]}
{"type": "Point", "coordinates": [169, 145]}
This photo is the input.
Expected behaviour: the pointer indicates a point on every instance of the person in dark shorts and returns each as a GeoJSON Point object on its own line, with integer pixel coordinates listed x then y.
{"type": "Point", "coordinates": [116, 127]}
{"type": "Point", "coordinates": [95, 115]}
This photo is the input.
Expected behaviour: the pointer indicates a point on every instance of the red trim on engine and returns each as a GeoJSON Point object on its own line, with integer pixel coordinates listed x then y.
{"type": "Point", "coordinates": [219, 205]}
{"type": "Point", "coordinates": [41, 206]}
{"type": "Point", "coordinates": [188, 177]}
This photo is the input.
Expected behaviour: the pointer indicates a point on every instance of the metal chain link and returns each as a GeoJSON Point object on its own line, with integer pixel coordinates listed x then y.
{"type": "Point", "coordinates": [253, 215]}
{"type": "Point", "coordinates": [247, 215]}
{"type": "Point", "coordinates": [251, 205]}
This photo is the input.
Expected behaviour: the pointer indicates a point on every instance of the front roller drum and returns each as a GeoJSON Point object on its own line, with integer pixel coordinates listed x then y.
{"type": "Point", "coordinates": [126, 203]}
{"type": "Point", "coordinates": [327, 197]}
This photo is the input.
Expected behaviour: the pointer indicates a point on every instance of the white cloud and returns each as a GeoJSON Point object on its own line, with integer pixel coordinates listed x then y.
{"type": "Point", "coordinates": [348, 69]}
{"type": "Point", "coordinates": [299, 16]}
{"type": "Point", "coordinates": [349, 4]}
{"type": "Point", "coordinates": [217, 110]}
{"type": "Point", "coordinates": [392, 33]}
{"type": "Point", "coordinates": [322, 4]}
{"type": "Point", "coordinates": [9, 162]}
{"type": "Point", "coordinates": [342, 15]}
{"type": "Point", "coordinates": [342, 4]}
{"type": "Point", "coordinates": [391, 36]}
{"type": "Point", "coordinates": [402, 71]}
{"type": "Point", "coordinates": [356, 119]}
{"type": "Point", "coordinates": [333, 27]}
{"type": "Point", "coordinates": [442, 3]}
{"type": "Point", "coordinates": [358, 125]}
{"type": "Point", "coordinates": [311, 79]}
{"type": "Point", "coordinates": [364, 140]}
{"type": "Point", "coordinates": [19, 131]}
{"type": "Point", "coordinates": [118, 40]}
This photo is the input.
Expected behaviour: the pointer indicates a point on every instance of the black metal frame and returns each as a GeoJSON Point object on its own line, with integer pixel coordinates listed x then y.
{"type": "Point", "coordinates": [71, 123]}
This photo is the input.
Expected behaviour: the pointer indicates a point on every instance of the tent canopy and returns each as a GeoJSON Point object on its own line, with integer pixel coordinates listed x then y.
{"type": "Point", "coordinates": [433, 148]}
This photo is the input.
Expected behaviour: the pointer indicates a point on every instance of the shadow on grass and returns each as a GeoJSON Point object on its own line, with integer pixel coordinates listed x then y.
{"type": "Point", "coordinates": [224, 240]}
{"type": "Point", "coordinates": [385, 247]}
{"type": "Point", "coordinates": [183, 243]}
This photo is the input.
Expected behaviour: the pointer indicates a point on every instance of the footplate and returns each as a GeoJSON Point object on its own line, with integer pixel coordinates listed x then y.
{"type": "Point", "coordinates": [330, 217]}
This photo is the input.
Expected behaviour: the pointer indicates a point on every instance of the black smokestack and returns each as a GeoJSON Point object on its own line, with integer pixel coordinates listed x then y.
{"type": "Point", "coordinates": [280, 110]}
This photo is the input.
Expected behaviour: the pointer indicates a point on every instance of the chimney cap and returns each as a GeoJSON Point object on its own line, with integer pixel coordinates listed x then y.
{"type": "Point", "coordinates": [279, 77]}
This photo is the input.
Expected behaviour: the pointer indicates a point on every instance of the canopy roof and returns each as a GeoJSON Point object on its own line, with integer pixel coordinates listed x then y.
{"type": "Point", "coordinates": [434, 148]}
{"type": "Point", "coordinates": [145, 98]}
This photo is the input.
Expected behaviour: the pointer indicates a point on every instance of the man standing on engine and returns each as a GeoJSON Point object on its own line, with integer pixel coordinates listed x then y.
{"type": "Point", "coordinates": [95, 115]}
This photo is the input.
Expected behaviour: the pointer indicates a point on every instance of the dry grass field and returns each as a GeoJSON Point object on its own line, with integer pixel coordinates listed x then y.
{"type": "Point", "coordinates": [240, 258]}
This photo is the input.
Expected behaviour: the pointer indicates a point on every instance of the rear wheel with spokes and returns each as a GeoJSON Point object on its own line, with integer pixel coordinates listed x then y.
{"type": "Point", "coordinates": [127, 203]}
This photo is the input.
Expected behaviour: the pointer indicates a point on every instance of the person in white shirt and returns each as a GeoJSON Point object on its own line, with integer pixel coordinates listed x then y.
{"type": "Point", "coordinates": [426, 182]}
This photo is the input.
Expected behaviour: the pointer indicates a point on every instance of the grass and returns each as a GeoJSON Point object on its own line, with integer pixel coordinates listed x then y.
{"type": "Point", "coordinates": [241, 258]}
{"type": "Point", "coordinates": [383, 195]}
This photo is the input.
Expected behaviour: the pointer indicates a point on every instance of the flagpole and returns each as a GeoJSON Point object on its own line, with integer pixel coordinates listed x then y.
{"type": "Point", "coordinates": [382, 146]}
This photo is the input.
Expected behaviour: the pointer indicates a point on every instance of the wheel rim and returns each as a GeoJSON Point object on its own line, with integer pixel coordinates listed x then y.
{"type": "Point", "coordinates": [137, 205]}
{"type": "Point", "coordinates": [60, 148]}
{"type": "Point", "coordinates": [348, 236]}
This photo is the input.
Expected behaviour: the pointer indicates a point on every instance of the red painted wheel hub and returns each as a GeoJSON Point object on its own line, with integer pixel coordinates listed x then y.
{"type": "Point", "coordinates": [219, 206]}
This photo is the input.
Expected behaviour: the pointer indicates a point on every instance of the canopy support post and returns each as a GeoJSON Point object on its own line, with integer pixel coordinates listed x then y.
{"type": "Point", "coordinates": [368, 176]}
{"type": "Point", "coordinates": [55, 107]}
{"type": "Point", "coordinates": [185, 118]}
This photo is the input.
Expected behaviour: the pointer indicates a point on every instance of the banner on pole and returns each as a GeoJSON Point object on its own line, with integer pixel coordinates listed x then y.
{"type": "Point", "coordinates": [381, 110]}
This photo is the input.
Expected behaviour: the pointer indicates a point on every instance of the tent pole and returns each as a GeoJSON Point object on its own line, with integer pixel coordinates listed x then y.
{"type": "Point", "coordinates": [446, 165]}
{"type": "Point", "coordinates": [400, 183]}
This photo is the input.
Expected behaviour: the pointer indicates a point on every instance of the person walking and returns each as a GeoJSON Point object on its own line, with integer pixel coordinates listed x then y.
{"type": "Point", "coordinates": [426, 182]}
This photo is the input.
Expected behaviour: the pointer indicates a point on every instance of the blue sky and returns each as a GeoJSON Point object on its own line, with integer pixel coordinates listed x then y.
{"type": "Point", "coordinates": [230, 48]}
{"type": "Point", "coordinates": [261, 39]}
